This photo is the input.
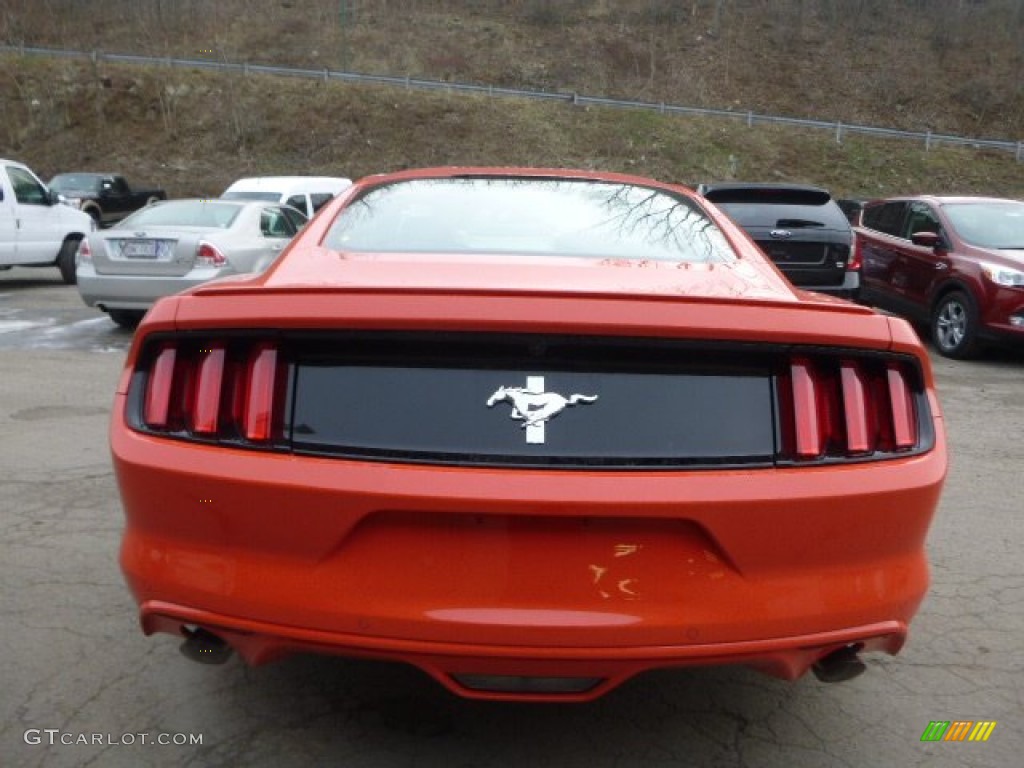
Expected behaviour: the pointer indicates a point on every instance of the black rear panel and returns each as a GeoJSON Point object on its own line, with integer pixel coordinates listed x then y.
{"type": "Point", "coordinates": [595, 402]}
{"type": "Point", "coordinates": [596, 417]}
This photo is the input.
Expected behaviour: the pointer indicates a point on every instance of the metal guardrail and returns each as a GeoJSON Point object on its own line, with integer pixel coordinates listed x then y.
{"type": "Point", "coordinates": [838, 128]}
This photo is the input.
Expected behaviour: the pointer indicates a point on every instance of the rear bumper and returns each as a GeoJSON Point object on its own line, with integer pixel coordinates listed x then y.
{"type": "Point", "coordinates": [524, 572]}
{"type": "Point", "coordinates": [136, 291]}
{"type": "Point", "coordinates": [457, 665]}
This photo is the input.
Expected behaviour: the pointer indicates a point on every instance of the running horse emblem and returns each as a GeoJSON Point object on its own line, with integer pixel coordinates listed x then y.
{"type": "Point", "coordinates": [535, 407]}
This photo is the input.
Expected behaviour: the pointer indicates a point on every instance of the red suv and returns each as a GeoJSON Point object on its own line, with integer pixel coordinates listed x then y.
{"type": "Point", "coordinates": [956, 263]}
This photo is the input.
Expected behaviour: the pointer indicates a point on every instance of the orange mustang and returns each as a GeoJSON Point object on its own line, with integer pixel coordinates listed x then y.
{"type": "Point", "coordinates": [534, 432]}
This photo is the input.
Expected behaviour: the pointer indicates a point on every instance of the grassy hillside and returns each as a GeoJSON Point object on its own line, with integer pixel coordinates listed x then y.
{"type": "Point", "coordinates": [945, 65]}
{"type": "Point", "coordinates": [942, 65]}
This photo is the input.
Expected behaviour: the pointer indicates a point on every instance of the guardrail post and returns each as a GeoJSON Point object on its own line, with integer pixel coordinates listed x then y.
{"type": "Point", "coordinates": [95, 56]}
{"type": "Point", "coordinates": [1020, 151]}
{"type": "Point", "coordinates": [750, 118]}
{"type": "Point", "coordinates": [928, 141]}
{"type": "Point", "coordinates": [575, 99]}
{"type": "Point", "coordinates": [839, 131]}
{"type": "Point", "coordinates": [327, 74]}
{"type": "Point", "coordinates": [408, 84]}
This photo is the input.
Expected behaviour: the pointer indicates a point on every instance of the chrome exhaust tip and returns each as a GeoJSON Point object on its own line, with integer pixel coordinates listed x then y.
{"type": "Point", "coordinates": [204, 647]}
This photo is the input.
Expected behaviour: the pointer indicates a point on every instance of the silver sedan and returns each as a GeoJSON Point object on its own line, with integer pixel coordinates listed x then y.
{"type": "Point", "coordinates": [170, 246]}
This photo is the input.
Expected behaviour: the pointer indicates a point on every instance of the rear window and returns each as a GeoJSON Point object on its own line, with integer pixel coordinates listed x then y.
{"type": "Point", "coordinates": [185, 213]}
{"type": "Point", "coordinates": [769, 214]}
{"type": "Point", "coordinates": [270, 197]}
{"type": "Point", "coordinates": [529, 216]}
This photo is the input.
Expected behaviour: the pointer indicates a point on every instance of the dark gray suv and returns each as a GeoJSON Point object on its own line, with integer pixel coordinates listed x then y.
{"type": "Point", "coordinates": [801, 228]}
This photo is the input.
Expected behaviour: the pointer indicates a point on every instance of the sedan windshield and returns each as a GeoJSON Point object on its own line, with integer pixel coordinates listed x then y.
{"type": "Point", "coordinates": [529, 216]}
{"type": "Point", "coordinates": [184, 213]}
{"type": "Point", "coordinates": [989, 225]}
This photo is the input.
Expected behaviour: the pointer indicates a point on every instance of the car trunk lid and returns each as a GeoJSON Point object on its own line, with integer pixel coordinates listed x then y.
{"type": "Point", "coordinates": [155, 251]}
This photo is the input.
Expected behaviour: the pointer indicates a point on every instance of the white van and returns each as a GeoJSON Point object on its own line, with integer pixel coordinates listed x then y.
{"type": "Point", "coordinates": [307, 193]}
{"type": "Point", "coordinates": [35, 228]}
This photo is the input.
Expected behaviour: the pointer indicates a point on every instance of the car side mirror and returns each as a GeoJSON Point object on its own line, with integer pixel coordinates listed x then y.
{"type": "Point", "coordinates": [926, 239]}
{"type": "Point", "coordinates": [53, 198]}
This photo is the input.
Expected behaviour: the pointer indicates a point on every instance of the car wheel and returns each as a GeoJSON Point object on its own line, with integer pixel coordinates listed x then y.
{"type": "Point", "coordinates": [66, 261]}
{"type": "Point", "coordinates": [955, 326]}
{"type": "Point", "coordinates": [126, 318]}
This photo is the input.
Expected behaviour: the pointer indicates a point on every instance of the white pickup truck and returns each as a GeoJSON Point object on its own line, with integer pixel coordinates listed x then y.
{"type": "Point", "coordinates": [35, 228]}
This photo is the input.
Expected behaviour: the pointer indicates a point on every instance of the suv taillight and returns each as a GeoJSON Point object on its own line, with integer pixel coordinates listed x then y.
{"type": "Point", "coordinates": [856, 260]}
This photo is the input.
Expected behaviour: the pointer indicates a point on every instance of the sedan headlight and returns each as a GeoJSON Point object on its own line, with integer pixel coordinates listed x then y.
{"type": "Point", "coordinates": [1013, 278]}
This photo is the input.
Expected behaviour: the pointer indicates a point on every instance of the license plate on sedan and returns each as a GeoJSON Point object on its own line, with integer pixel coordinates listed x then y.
{"type": "Point", "coordinates": [139, 249]}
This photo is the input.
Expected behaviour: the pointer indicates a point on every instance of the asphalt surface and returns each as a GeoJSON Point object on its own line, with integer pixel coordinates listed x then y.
{"type": "Point", "coordinates": [80, 684]}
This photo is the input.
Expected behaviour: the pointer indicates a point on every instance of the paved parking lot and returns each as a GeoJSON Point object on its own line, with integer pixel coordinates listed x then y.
{"type": "Point", "coordinates": [80, 685]}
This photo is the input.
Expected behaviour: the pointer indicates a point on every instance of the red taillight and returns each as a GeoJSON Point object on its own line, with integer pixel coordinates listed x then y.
{"type": "Point", "coordinates": [170, 390]}
{"type": "Point", "coordinates": [216, 391]}
{"type": "Point", "coordinates": [904, 417]}
{"type": "Point", "coordinates": [809, 442]}
{"type": "Point", "coordinates": [209, 255]}
{"type": "Point", "coordinates": [84, 251]}
{"type": "Point", "coordinates": [157, 407]}
{"type": "Point", "coordinates": [858, 411]}
{"type": "Point", "coordinates": [209, 382]}
{"type": "Point", "coordinates": [846, 408]}
{"type": "Point", "coordinates": [856, 260]}
{"type": "Point", "coordinates": [258, 419]}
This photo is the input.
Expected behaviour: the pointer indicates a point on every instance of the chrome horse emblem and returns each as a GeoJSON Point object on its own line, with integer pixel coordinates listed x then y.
{"type": "Point", "coordinates": [535, 407]}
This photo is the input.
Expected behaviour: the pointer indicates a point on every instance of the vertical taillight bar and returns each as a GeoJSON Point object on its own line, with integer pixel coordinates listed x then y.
{"type": "Point", "coordinates": [846, 408]}
{"type": "Point", "coordinates": [209, 381]}
{"type": "Point", "coordinates": [805, 409]}
{"type": "Point", "coordinates": [904, 419]}
{"type": "Point", "coordinates": [258, 417]}
{"type": "Point", "coordinates": [856, 409]}
{"type": "Point", "coordinates": [159, 386]}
